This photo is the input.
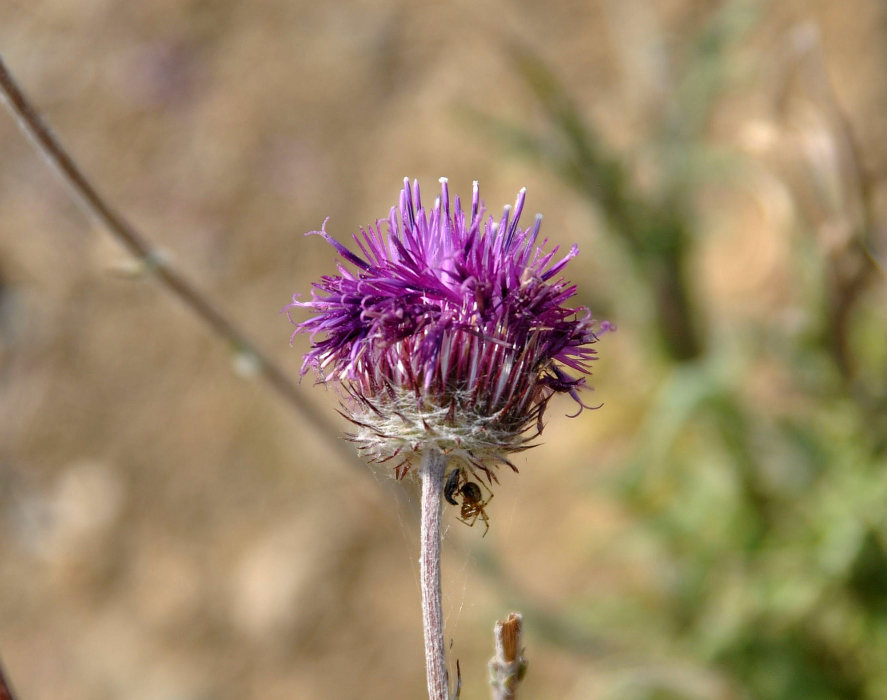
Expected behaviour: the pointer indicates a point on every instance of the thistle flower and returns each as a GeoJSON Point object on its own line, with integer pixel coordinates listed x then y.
{"type": "Point", "coordinates": [447, 330]}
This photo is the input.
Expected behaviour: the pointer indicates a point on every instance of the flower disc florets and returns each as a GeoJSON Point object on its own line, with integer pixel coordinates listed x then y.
{"type": "Point", "coordinates": [447, 331]}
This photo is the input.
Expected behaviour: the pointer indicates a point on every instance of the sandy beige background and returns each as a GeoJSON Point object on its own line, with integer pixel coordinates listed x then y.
{"type": "Point", "coordinates": [170, 529]}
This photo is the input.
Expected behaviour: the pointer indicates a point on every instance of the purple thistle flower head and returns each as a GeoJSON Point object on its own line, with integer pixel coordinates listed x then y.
{"type": "Point", "coordinates": [447, 330]}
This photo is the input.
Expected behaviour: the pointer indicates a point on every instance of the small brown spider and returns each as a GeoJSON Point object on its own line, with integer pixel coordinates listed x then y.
{"type": "Point", "coordinates": [472, 504]}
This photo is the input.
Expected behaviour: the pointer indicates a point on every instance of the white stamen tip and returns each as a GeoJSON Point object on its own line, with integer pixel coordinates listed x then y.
{"type": "Point", "coordinates": [443, 180]}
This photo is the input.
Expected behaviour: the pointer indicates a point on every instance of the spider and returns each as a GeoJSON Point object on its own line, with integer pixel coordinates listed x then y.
{"type": "Point", "coordinates": [472, 504]}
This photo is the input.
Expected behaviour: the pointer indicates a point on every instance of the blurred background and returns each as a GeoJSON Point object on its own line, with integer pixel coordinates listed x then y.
{"type": "Point", "coordinates": [171, 529]}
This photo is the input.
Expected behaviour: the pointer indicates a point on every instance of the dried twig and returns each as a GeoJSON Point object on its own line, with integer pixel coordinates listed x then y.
{"type": "Point", "coordinates": [148, 255]}
{"type": "Point", "coordinates": [853, 265]}
{"type": "Point", "coordinates": [5, 691]}
{"type": "Point", "coordinates": [508, 667]}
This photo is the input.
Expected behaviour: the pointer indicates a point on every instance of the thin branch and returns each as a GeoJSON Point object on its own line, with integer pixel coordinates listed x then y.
{"type": "Point", "coordinates": [508, 666]}
{"type": "Point", "coordinates": [30, 122]}
{"type": "Point", "coordinates": [853, 265]}
{"type": "Point", "coordinates": [811, 60]}
{"type": "Point", "coordinates": [432, 475]}
{"type": "Point", "coordinates": [5, 691]}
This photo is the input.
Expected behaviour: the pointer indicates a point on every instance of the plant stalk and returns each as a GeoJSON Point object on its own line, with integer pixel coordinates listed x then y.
{"type": "Point", "coordinates": [144, 251]}
{"type": "Point", "coordinates": [432, 475]}
{"type": "Point", "coordinates": [5, 690]}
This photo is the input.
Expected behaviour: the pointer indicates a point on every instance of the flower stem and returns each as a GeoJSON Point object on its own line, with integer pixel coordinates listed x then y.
{"type": "Point", "coordinates": [432, 474]}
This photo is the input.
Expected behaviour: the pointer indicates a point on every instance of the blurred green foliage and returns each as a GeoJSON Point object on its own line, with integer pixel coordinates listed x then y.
{"type": "Point", "coordinates": [770, 520]}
